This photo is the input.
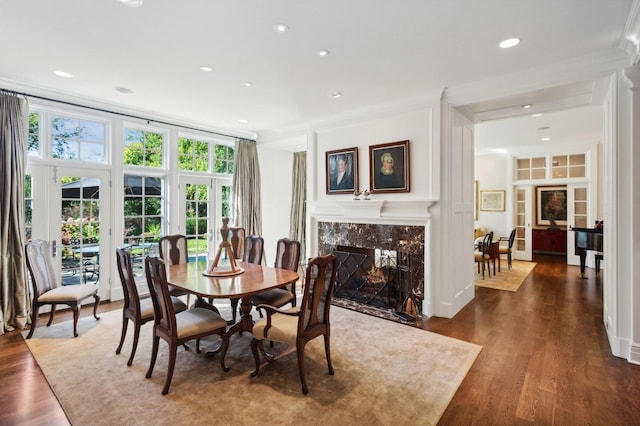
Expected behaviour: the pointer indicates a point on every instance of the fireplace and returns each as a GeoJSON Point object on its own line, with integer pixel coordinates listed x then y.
{"type": "Point", "coordinates": [381, 267]}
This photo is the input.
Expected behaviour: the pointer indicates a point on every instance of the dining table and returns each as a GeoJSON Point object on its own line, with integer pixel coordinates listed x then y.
{"type": "Point", "coordinates": [192, 277]}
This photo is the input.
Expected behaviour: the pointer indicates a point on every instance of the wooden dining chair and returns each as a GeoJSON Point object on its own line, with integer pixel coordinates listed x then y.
{"type": "Point", "coordinates": [253, 251]}
{"type": "Point", "coordinates": [139, 311]}
{"type": "Point", "coordinates": [177, 328]}
{"type": "Point", "coordinates": [173, 250]}
{"type": "Point", "coordinates": [287, 257]}
{"type": "Point", "coordinates": [481, 254]}
{"type": "Point", "coordinates": [506, 249]}
{"type": "Point", "coordinates": [46, 288]}
{"type": "Point", "coordinates": [297, 326]}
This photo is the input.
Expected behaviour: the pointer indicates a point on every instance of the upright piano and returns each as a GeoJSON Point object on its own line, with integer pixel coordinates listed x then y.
{"type": "Point", "coordinates": [587, 239]}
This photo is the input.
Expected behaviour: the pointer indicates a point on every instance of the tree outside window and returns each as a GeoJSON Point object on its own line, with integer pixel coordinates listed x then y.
{"type": "Point", "coordinates": [142, 148]}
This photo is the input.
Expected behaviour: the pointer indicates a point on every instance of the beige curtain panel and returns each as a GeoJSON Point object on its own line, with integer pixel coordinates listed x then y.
{"type": "Point", "coordinates": [297, 223]}
{"type": "Point", "coordinates": [247, 203]}
{"type": "Point", "coordinates": [14, 130]}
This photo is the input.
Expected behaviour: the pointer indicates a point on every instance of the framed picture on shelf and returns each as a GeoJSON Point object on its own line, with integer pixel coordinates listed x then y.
{"type": "Point", "coordinates": [342, 171]}
{"type": "Point", "coordinates": [389, 167]}
{"type": "Point", "coordinates": [492, 201]}
{"type": "Point", "coordinates": [551, 205]}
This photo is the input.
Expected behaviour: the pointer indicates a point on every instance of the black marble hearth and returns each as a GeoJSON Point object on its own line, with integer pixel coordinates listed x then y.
{"type": "Point", "coordinates": [402, 247]}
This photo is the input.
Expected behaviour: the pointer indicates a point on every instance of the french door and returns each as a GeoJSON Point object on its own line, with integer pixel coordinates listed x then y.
{"type": "Point", "coordinates": [523, 213]}
{"type": "Point", "coordinates": [66, 209]}
{"type": "Point", "coordinates": [206, 201]}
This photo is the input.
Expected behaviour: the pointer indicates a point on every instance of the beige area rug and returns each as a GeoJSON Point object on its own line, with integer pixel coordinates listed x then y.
{"type": "Point", "coordinates": [385, 373]}
{"type": "Point", "coordinates": [506, 279]}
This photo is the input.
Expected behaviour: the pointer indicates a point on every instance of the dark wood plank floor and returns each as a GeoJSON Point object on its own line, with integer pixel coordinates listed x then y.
{"type": "Point", "coordinates": [545, 359]}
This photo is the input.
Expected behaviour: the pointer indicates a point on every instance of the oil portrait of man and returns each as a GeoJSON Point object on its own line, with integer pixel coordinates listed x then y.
{"type": "Point", "coordinates": [342, 171]}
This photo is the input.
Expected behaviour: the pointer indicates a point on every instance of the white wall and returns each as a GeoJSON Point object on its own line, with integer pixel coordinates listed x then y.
{"type": "Point", "coordinates": [491, 172]}
{"type": "Point", "coordinates": [276, 185]}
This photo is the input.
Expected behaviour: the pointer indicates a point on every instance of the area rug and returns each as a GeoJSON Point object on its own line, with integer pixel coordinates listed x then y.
{"type": "Point", "coordinates": [385, 373]}
{"type": "Point", "coordinates": [506, 279]}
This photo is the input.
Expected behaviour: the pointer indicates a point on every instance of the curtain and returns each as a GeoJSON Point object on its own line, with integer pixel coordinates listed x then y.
{"type": "Point", "coordinates": [247, 204]}
{"type": "Point", "coordinates": [298, 217]}
{"type": "Point", "coordinates": [14, 295]}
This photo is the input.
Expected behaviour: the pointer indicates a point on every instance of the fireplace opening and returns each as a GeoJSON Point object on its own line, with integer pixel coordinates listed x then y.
{"type": "Point", "coordinates": [375, 277]}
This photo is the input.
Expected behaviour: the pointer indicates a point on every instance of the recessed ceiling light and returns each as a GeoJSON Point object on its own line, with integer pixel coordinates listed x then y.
{"type": "Point", "coordinates": [281, 28]}
{"type": "Point", "coordinates": [124, 90]}
{"type": "Point", "coordinates": [323, 53]}
{"type": "Point", "coordinates": [247, 84]}
{"type": "Point", "coordinates": [243, 120]}
{"type": "Point", "coordinates": [206, 68]}
{"type": "Point", "coordinates": [132, 3]}
{"type": "Point", "coordinates": [545, 139]}
{"type": "Point", "coordinates": [510, 42]}
{"type": "Point", "coordinates": [335, 95]}
{"type": "Point", "coordinates": [536, 115]}
{"type": "Point", "coordinates": [526, 106]}
{"type": "Point", "coordinates": [63, 74]}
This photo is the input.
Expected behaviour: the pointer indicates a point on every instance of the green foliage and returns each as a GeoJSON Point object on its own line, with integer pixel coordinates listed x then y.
{"type": "Point", "coordinates": [33, 143]}
{"type": "Point", "coordinates": [143, 148]}
{"type": "Point", "coordinates": [193, 155]}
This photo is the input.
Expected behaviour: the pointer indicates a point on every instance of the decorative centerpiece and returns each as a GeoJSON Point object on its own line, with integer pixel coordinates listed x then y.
{"type": "Point", "coordinates": [232, 268]}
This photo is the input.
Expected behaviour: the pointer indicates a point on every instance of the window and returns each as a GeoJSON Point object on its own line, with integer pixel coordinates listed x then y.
{"type": "Point", "coordinates": [224, 159]}
{"type": "Point", "coordinates": [564, 166]}
{"type": "Point", "coordinates": [197, 213]}
{"type": "Point", "coordinates": [76, 139]}
{"type": "Point", "coordinates": [193, 155]}
{"type": "Point", "coordinates": [33, 147]}
{"type": "Point", "coordinates": [142, 148]}
{"type": "Point", "coordinates": [531, 168]}
{"type": "Point", "coordinates": [28, 207]}
{"type": "Point", "coordinates": [143, 212]}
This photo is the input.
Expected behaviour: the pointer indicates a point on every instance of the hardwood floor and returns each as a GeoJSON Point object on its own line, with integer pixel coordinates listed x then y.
{"type": "Point", "coordinates": [545, 359]}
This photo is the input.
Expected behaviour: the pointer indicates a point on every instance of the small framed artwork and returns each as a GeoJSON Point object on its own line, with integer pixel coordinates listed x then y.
{"type": "Point", "coordinates": [342, 171]}
{"type": "Point", "coordinates": [389, 167]}
{"type": "Point", "coordinates": [551, 204]}
{"type": "Point", "coordinates": [492, 201]}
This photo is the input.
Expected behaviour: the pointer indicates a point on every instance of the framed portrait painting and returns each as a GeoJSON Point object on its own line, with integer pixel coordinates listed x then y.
{"type": "Point", "coordinates": [492, 201]}
{"type": "Point", "coordinates": [389, 167]}
{"type": "Point", "coordinates": [342, 171]}
{"type": "Point", "coordinates": [551, 203]}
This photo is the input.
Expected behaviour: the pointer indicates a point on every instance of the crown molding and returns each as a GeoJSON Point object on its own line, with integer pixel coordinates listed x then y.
{"type": "Point", "coordinates": [630, 41]}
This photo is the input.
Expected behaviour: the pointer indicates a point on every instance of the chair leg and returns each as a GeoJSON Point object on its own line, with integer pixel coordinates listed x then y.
{"type": "Point", "coordinates": [327, 350]}
{"type": "Point", "coordinates": [303, 379]}
{"type": "Point", "coordinates": [234, 309]}
{"type": "Point", "coordinates": [96, 298]}
{"type": "Point", "coordinates": [34, 319]}
{"type": "Point", "coordinates": [509, 259]}
{"type": "Point", "coordinates": [154, 354]}
{"type": "Point", "coordinates": [256, 356]}
{"type": "Point", "coordinates": [171, 367]}
{"type": "Point", "coordinates": [125, 323]}
{"type": "Point", "coordinates": [75, 307]}
{"type": "Point", "coordinates": [51, 314]}
{"type": "Point", "coordinates": [136, 336]}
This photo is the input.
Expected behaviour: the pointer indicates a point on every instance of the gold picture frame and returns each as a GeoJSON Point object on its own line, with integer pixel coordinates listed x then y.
{"type": "Point", "coordinates": [492, 200]}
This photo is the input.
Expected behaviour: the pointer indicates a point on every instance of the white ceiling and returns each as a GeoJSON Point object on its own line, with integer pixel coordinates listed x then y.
{"type": "Point", "coordinates": [381, 52]}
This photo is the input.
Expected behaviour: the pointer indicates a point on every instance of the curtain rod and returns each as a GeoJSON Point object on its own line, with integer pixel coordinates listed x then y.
{"type": "Point", "coordinates": [148, 120]}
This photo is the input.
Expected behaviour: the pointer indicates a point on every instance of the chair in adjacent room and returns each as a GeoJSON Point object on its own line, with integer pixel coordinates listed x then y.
{"type": "Point", "coordinates": [177, 328]}
{"type": "Point", "coordinates": [46, 288]}
{"type": "Point", "coordinates": [253, 250]}
{"type": "Point", "coordinates": [297, 326]}
{"type": "Point", "coordinates": [506, 249]}
{"type": "Point", "coordinates": [139, 311]}
{"type": "Point", "coordinates": [287, 257]}
{"type": "Point", "coordinates": [481, 254]}
{"type": "Point", "coordinates": [173, 250]}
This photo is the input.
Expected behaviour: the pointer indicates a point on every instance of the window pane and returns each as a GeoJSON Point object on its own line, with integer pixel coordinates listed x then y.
{"type": "Point", "coordinates": [143, 148]}
{"type": "Point", "coordinates": [34, 134]}
{"type": "Point", "coordinates": [74, 139]}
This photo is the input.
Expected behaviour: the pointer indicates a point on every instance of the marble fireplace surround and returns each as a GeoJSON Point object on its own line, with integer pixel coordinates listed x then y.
{"type": "Point", "coordinates": [390, 225]}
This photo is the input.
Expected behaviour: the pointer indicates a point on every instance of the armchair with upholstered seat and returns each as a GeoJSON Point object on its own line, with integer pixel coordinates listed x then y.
{"type": "Point", "coordinates": [298, 326]}
{"type": "Point", "coordinates": [173, 250]}
{"type": "Point", "coordinates": [46, 288]}
{"type": "Point", "coordinates": [287, 257]}
{"type": "Point", "coordinates": [139, 311]}
{"type": "Point", "coordinates": [506, 248]}
{"type": "Point", "coordinates": [252, 253]}
{"type": "Point", "coordinates": [481, 254]}
{"type": "Point", "coordinates": [177, 328]}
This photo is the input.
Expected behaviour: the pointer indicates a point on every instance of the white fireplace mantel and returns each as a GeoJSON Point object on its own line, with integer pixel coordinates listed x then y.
{"type": "Point", "coordinates": [372, 211]}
